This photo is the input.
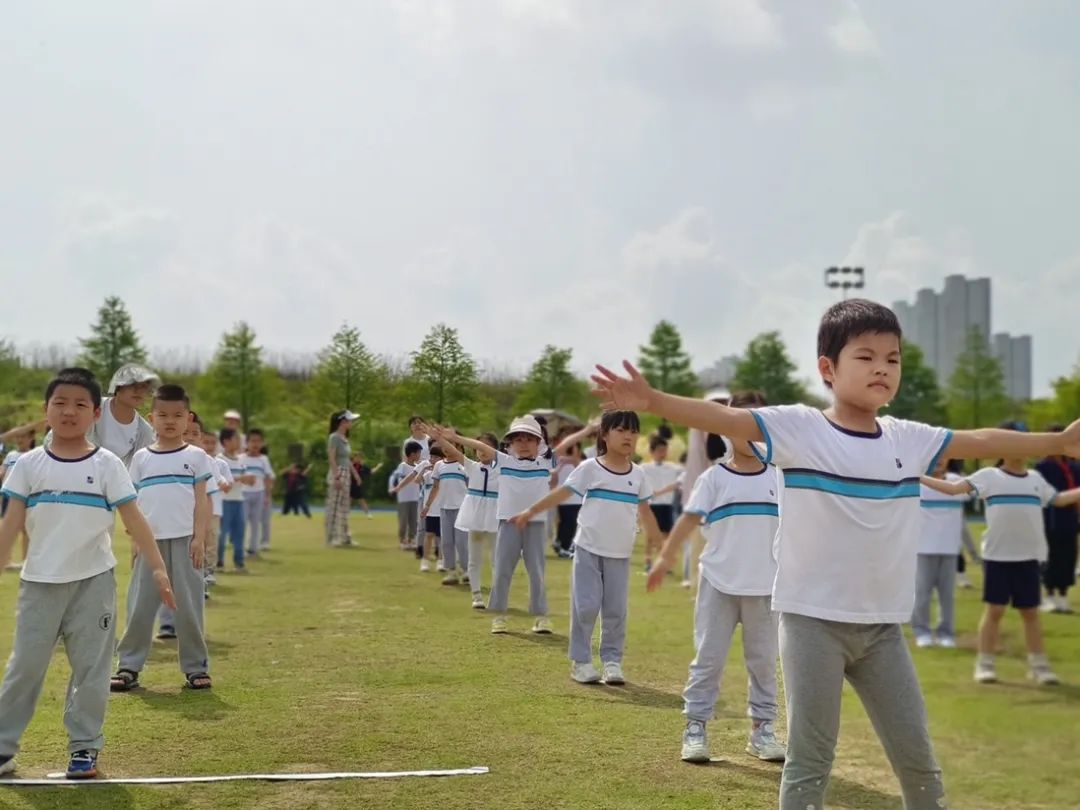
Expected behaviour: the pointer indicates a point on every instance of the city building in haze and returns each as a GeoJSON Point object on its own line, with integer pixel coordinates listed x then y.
{"type": "Point", "coordinates": [939, 323]}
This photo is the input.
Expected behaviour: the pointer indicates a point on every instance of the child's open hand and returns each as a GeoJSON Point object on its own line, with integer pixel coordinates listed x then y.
{"type": "Point", "coordinates": [629, 393]}
{"type": "Point", "coordinates": [161, 579]}
{"type": "Point", "coordinates": [520, 520]}
{"type": "Point", "coordinates": [197, 555]}
{"type": "Point", "coordinates": [657, 574]}
{"type": "Point", "coordinates": [1072, 439]}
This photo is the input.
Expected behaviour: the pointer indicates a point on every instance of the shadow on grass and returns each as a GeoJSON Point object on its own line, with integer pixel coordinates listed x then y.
{"type": "Point", "coordinates": [646, 696]}
{"type": "Point", "coordinates": [191, 704]}
{"type": "Point", "coordinates": [553, 640]}
{"type": "Point", "coordinates": [842, 793]}
{"type": "Point", "coordinates": [115, 797]}
{"type": "Point", "coordinates": [164, 653]}
{"type": "Point", "coordinates": [1041, 694]}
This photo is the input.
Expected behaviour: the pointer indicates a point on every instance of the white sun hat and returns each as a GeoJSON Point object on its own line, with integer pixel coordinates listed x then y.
{"type": "Point", "coordinates": [232, 413]}
{"type": "Point", "coordinates": [526, 424]}
{"type": "Point", "coordinates": [349, 416]}
{"type": "Point", "coordinates": [132, 374]}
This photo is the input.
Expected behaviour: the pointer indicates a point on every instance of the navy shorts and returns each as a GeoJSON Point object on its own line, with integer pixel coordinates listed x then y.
{"type": "Point", "coordinates": [1015, 583]}
{"type": "Point", "coordinates": [431, 525]}
{"type": "Point", "coordinates": [665, 516]}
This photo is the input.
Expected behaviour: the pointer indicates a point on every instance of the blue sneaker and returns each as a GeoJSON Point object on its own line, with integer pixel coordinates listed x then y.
{"type": "Point", "coordinates": [83, 765]}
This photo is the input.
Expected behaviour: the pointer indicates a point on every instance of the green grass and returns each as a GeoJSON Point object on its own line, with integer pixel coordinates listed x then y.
{"type": "Point", "coordinates": [349, 659]}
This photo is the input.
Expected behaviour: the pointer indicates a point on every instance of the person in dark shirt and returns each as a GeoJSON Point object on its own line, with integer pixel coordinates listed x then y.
{"type": "Point", "coordinates": [358, 489]}
{"type": "Point", "coordinates": [1062, 527]}
{"type": "Point", "coordinates": [296, 482]}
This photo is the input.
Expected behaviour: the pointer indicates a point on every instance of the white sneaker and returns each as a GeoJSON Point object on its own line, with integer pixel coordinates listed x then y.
{"type": "Point", "coordinates": [1049, 605]}
{"type": "Point", "coordinates": [1044, 676]}
{"type": "Point", "coordinates": [478, 602]}
{"type": "Point", "coordinates": [451, 579]}
{"type": "Point", "coordinates": [695, 742]}
{"type": "Point", "coordinates": [948, 642]}
{"type": "Point", "coordinates": [370, 516]}
{"type": "Point", "coordinates": [686, 583]}
{"type": "Point", "coordinates": [425, 566]}
{"type": "Point", "coordinates": [498, 626]}
{"type": "Point", "coordinates": [543, 626]}
{"type": "Point", "coordinates": [985, 672]}
{"type": "Point", "coordinates": [924, 641]}
{"type": "Point", "coordinates": [963, 581]}
{"type": "Point", "coordinates": [584, 673]}
{"type": "Point", "coordinates": [613, 674]}
{"type": "Point", "coordinates": [440, 567]}
{"type": "Point", "coordinates": [464, 579]}
{"type": "Point", "coordinates": [764, 745]}
{"type": "Point", "coordinates": [1063, 604]}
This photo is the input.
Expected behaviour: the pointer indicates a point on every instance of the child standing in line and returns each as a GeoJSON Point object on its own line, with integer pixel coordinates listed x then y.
{"type": "Point", "coordinates": [225, 484]}
{"type": "Point", "coordinates": [939, 546]}
{"type": "Point", "coordinates": [24, 443]}
{"type": "Point", "coordinates": [737, 505]}
{"type": "Point", "coordinates": [524, 474]}
{"type": "Point", "coordinates": [408, 498]}
{"type": "Point", "coordinates": [570, 454]}
{"type": "Point", "coordinates": [1062, 527]}
{"type": "Point", "coordinates": [66, 498]}
{"type": "Point", "coordinates": [232, 507]}
{"type": "Point", "coordinates": [258, 494]}
{"type": "Point", "coordinates": [615, 495]}
{"type": "Point", "coordinates": [171, 478]}
{"type": "Point", "coordinates": [423, 474]}
{"type": "Point", "coordinates": [479, 510]}
{"type": "Point", "coordinates": [846, 550]}
{"type": "Point", "coordinates": [1013, 550]}
{"type": "Point", "coordinates": [664, 480]}
{"type": "Point", "coordinates": [447, 495]}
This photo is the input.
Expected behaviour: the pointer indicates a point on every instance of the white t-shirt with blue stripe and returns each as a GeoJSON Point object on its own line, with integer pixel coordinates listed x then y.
{"type": "Point", "coordinates": [479, 510]}
{"type": "Point", "coordinates": [607, 522]}
{"type": "Point", "coordinates": [70, 513]}
{"type": "Point", "coordinates": [452, 484]}
{"type": "Point", "coordinates": [235, 465]}
{"type": "Point", "coordinates": [522, 482]}
{"type": "Point", "coordinates": [165, 481]}
{"type": "Point", "coordinates": [942, 519]}
{"type": "Point", "coordinates": [1014, 520]}
{"type": "Point", "coordinates": [740, 516]}
{"type": "Point", "coordinates": [849, 513]}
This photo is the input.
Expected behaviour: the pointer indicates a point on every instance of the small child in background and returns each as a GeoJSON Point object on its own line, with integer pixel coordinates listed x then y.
{"type": "Point", "coordinates": [615, 495]}
{"type": "Point", "coordinates": [258, 494]}
{"type": "Point", "coordinates": [939, 546]}
{"type": "Point", "coordinates": [1014, 548]}
{"type": "Point", "coordinates": [232, 508]}
{"type": "Point", "coordinates": [664, 480]}
{"type": "Point", "coordinates": [408, 497]}
{"type": "Point", "coordinates": [450, 483]}
{"type": "Point", "coordinates": [24, 443]}
{"type": "Point", "coordinates": [737, 505]}
{"type": "Point", "coordinates": [424, 473]}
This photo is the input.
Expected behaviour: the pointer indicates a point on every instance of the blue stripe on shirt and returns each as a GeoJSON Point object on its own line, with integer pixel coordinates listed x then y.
{"type": "Point", "coordinates": [866, 488]}
{"type": "Point", "coordinates": [1014, 500]}
{"type": "Point", "coordinates": [71, 498]}
{"type": "Point", "coordinates": [515, 473]}
{"type": "Point", "coordinates": [612, 495]}
{"type": "Point", "coordinates": [738, 508]}
{"type": "Point", "coordinates": [449, 476]}
{"type": "Point", "coordinates": [481, 493]}
{"type": "Point", "coordinates": [155, 480]}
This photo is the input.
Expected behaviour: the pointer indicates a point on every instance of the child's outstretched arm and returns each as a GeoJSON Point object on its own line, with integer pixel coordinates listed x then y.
{"type": "Point", "coordinates": [484, 452]}
{"type": "Point", "coordinates": [431, 500]}
{"type": "Point", "coordinates": [404, 482]}
{"type": "Point", "coordinates": [142, 537]}
{"type": "Point", "coordinates": [452, 453]}
{"type": "Point", "coordinates": [996, 443]}
{"type": "Point", "coordinates": [1067, 497]}
{"type": "Point", "coordinates": [578, 436]}
{"type": "Point", "coordinates": [680, 533]}
{"type": "Point", "coordinates": [947, 487]}
{"type": "Point", "coordinates": [648, 521]}
{"type": "Point", "coordinates": [549, 501]}
{"type": "Point", "coordinates": [633, 393]}
{"type": "Point", "coordinates": [13, 525]}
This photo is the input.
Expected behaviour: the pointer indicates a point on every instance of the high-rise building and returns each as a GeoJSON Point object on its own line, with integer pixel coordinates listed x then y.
{"type": "Point", "coordinates": [939, 324]}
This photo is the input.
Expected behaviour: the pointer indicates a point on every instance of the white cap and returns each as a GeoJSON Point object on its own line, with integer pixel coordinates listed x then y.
{"type": "Point", "coordinates": [718, 395]}
{"type": "Point", "coordinates": [233, 414]}
{"type": "Point", "coordinates": [526, 424]}
{"type": "Point", "coordinates": [132, 374]}
{"type": "Point", "coordinates": [349, 416]}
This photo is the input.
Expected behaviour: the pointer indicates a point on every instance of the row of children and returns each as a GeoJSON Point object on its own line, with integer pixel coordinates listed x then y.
{"type": "Point", "coordinates": [172, 493]}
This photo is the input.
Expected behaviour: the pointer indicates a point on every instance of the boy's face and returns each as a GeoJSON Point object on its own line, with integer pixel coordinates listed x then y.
{"type": "Point", "coordinates": [867, 373]}
{"type": "Point", "coordinates": [70, 412]}
{"type": "Point", "coordinates": [170, 419]}
{"type": "Point", "coordinates": [255, 443]}
{"type": "Point", "coordinates": [659, 453]}
{"type": "Point", "coordinates": [209, 443]}
{"type": "Point", "coordinates": [412, 458]}
{"type": "Point", "coordinates": [415, 426]}
{"type": "Point", "coordinates": [133, 396]}
{"type": "Point", "coordinates": [231, 444]}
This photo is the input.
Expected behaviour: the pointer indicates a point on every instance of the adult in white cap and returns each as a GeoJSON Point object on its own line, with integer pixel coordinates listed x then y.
{"type": "Point", "coordinates": [339, 460]}
{"type": "Point", "coordinates": [233, 420]}
{"type": "Point", "coordinates": [121, 429]}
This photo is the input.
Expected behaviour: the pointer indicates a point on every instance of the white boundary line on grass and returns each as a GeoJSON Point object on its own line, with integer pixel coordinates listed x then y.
{"type": "Point", "coordinates": [55, 779]}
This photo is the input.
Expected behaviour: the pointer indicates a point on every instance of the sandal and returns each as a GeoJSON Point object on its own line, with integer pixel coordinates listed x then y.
{"type": "Point", "coordinates": [197, 680]}
{"type": "Point", "coordinates": [124, 680]}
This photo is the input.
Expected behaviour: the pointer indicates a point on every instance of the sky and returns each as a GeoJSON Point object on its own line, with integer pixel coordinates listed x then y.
{"type": "Point", "coordinates": [534, 171]}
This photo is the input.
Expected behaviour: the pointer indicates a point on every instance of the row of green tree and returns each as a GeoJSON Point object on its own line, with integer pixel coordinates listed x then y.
{"type": "Point", "coordinates": [442, 381]}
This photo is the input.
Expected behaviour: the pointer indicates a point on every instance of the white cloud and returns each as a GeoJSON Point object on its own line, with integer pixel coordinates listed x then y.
{"type": "Point", "coordinates": [852, 35]}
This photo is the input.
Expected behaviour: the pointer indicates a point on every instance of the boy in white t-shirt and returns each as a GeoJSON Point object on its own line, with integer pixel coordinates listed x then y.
{"type": "Point", "coordinates": [66, 496]}
{"type": "Point", "coordinates": [449, 483]}
{"type": "Point", "coordinates": [846, 551]}
{"type": "Point", "coordinates": [736, 504]}
{"type": "Point", "coordinates": [258, 494]}
{"type": "Point", "coordinates": [171, 478]}
{"type": "Point", "coordinates": [233, 518]}
{"type": "Point", "coordinates": [408, 498]}
{"type": "Point", "coordinates": [664, 479]}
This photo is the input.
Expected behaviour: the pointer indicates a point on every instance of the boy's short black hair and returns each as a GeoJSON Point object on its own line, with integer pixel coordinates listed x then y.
{"type": "Point", "coordinates": [655, 441]}
{"type": "Point", "coordinates": [256, 432]}
{"type": "Point", "coordinates": [847, 319]}
{"type": "Point", "coordinates": [437, 452]}
{"type": "Point", "coordinates": [172, 393]}
{"type": "Point", "coordinates": [82, 377]}
{"type": "Point", "coordinates": [665, 431]}
{"type": "Point", "coordinates": [225, 434]}
{"type": "Point", "coordinates": [415, 418]}
{"type": "Point", "coordinates": [413, 447]}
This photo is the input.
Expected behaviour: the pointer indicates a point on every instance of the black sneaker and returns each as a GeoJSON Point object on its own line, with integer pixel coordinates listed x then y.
{"type": "Point", "coordinates": [167, 631]}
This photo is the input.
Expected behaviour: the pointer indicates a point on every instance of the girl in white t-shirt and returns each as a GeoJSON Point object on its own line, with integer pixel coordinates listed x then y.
{"type": "Point", "coordinates": [615, 496]}
{"type": "Point", "coordinates": [1014, 548]}
{"type": "Point", "coordinates": [736, 505]}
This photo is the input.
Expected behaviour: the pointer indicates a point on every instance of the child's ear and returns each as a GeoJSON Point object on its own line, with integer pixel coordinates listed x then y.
{"type": "Point", "coordinates": [826, 369]}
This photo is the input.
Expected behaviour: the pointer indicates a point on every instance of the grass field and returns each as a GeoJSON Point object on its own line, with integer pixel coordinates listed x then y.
{"type": "Point", "coordinates": [350, 659]}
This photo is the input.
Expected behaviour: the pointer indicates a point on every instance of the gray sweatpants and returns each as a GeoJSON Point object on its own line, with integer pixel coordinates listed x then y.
{"type": "Point", "coordinates": [715, 616]}
{"type": "Point", "coordinates": [598, 586]}
{"type": "Point", "coordinates": [477, 541]}
{"type": "Point", "coordinates": [143, 602]}
{"type": "Point", "coordinates": [515, 544]}
{"type": "Point", "coordinates": [935, 572]}
{"type": "Point", "coordinates": [817, 656]}
{"type": "Point", "coordinates": [407, 514]}
{"type": "Point", "coordinates": [258, 520]}
{"type": "Point", "coordinates": [83, 614]}
{"type": "Point", "coordinates": [453, 542]}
